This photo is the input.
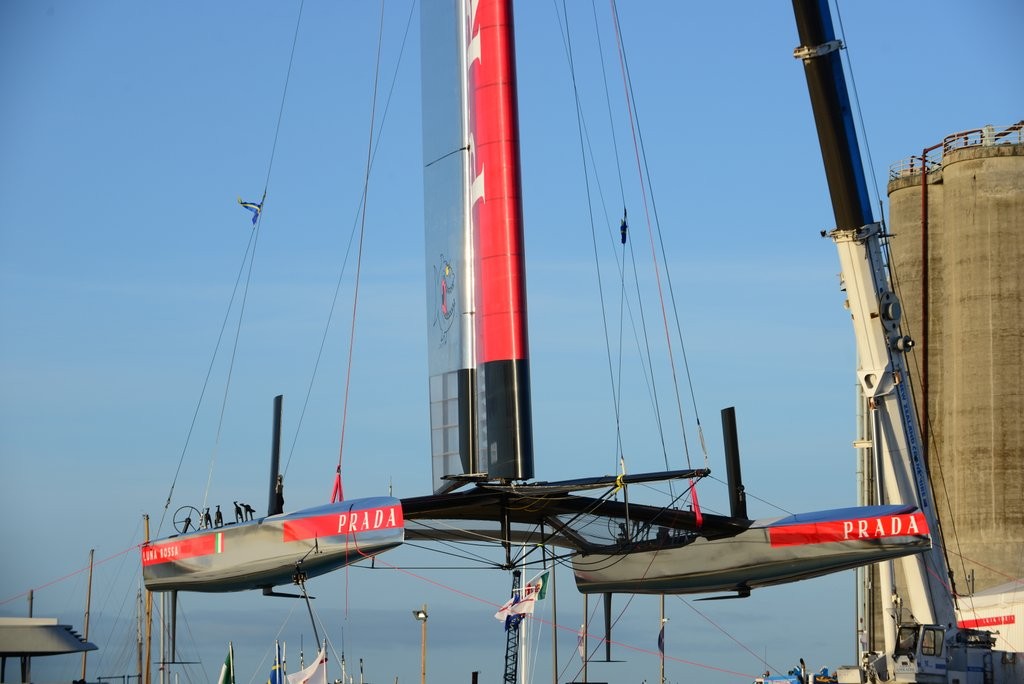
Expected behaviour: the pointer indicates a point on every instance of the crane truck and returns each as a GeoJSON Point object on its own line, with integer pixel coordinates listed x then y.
{"type": "Point", "coordinates": [922, 640]}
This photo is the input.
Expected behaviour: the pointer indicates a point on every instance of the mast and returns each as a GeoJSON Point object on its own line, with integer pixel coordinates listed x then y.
{"type": "Point", "coordinates": [506, 438]}
{"type": "Point", "coordinates": [88, 603]}
{"type": "Point", "coordinates": [481, 420]}
{"type": "Point", "coordinates": [149, 616]}
{"type": "Point", "coordinates": [138, 634]}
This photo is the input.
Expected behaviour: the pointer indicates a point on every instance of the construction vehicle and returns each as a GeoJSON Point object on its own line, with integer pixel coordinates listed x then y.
{"type": "Point", "coordinates": [922, 640]}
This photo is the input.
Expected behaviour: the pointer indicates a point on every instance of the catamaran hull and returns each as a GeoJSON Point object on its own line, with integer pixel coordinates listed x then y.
{"type": "Point", "coordinates": [267, 552]}
{"type": "Point", "coordinates": [770, 552]}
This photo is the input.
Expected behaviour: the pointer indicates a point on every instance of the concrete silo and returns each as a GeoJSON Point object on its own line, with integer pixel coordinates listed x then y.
{"type": "Point", "coordinates": [957, 252]}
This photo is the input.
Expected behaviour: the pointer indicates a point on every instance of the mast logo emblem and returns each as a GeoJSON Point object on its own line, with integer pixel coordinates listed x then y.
{"type": "Point", "coordinates": [444, 297]}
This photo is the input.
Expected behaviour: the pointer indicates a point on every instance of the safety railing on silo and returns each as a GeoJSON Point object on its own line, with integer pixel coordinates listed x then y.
{"type": "Point", "coordinates": [931, 159]}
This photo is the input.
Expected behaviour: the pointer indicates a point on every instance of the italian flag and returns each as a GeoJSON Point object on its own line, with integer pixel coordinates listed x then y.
{"type": "Point", "coordinates": [227, 670]}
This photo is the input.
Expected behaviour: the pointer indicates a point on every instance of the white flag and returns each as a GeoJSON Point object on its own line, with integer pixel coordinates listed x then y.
{"type": "Point", "coordinates": [314, 674]}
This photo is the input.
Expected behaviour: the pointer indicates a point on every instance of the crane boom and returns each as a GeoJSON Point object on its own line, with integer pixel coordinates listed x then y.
{"type": "Point", "coordinates": [874, 308]}
{"type": "Point", "coordinates": [926, 645]}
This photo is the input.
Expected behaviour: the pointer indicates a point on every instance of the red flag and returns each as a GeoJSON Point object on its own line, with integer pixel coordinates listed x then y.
{"type": "Point", "coordinates": [336, 493]}
{"type": "Point", "coordinates": [696, 505]}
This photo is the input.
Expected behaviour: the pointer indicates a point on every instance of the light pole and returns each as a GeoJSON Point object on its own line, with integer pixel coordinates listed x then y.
{"type": "Point", "coordinates": [421, 615]}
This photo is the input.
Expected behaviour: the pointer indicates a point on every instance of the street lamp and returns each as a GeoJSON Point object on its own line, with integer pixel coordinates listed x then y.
{"type": "Point", "coordinates": [421, 615]}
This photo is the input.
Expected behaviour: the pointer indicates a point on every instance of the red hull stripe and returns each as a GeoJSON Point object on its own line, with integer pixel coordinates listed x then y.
{"type": "Point", "coordinates": [180, 549]}
{"type": "Point", "coordinates": [982, 623]}
{"type": "Point", "coordinates": [498, 234]}
{"type": "Point", "coordinates": [853, 529]}
{"type": "Point", "coordinates": [348, 523]}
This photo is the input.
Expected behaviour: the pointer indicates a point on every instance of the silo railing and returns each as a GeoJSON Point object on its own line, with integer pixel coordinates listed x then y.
{"type": "Point", "coordinates": [931, 159]}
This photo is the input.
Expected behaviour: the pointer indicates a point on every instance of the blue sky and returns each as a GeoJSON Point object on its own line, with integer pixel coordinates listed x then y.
{"type": "Point", "coordinates": [128, 131]}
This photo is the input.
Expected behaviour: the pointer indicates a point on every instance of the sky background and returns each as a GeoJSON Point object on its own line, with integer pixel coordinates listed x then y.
{"type": "Point", "coordinates": [127, 132]}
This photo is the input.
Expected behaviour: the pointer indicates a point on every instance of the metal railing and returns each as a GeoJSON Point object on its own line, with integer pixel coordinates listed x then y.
{"type": "Point", "coordinates": [931, 159]}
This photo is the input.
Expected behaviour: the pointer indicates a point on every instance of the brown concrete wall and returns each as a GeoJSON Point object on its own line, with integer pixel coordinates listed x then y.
{"type": "Point", "coordinates": [974, 344]}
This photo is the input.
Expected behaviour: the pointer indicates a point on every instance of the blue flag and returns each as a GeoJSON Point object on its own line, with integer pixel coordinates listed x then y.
{"type": "Point", "coordinates": [661, 640]}
{"type": "Point", "coordinates": [277, 671]}
{"type": "Point", "coordinates": [254, 207]}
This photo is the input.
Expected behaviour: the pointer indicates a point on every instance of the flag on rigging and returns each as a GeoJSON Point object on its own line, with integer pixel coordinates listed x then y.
{"type": "Point", "coordinates": [535, 590]}
{"type": "Point", "coordinates": [316, 673]}
{"type": "Point", "coordinates": [696, 505]}
{"type": "Point", "coordinates": [254, 207]}
{"type": "Point", "coordinates": [538, 586]}
{"type": "Point", "coordinates": [277, 671]}
{"type": "Point", "coordinates": [509, 614]}
{"type": "Point", "coordinates": [227, 670]}
{"type": "Point", "coordinates": [661, 639]}
{"type": "Point", "coordinates": [523, 601]}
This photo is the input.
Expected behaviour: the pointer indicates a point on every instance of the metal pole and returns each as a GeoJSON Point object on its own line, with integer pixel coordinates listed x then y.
{"type": "Point", "coordinates": [661, 639]}
{"type": "Point", "coordinates": [163, 636]}
{"type": "Point", "coordinates": [149, 618]}
{"type": "Point", "coordinates": [554, 621]}
{"type": "Point", "coordinates": [88, 601]}
{"type": "Point", "coordinates": [423, 646]}
{"type": "Point", "coordinates": [26, 663]}
{"type": "Point", "coordinates": [586, 646]}
{"type": "Point", "coordinates": [273, 506]}
{"type": "Point", "coordinates": [138, 634]}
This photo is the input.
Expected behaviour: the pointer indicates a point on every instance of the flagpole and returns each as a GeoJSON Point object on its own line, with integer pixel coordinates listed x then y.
{"type": "Point", "coordinates": [524, 630]}
{"type": "Point", "coordinates": [586, 647]}
{"type": "Point", "coordinates": [554, 623]}
{"type": "Point", "coordinates": [661, 639]}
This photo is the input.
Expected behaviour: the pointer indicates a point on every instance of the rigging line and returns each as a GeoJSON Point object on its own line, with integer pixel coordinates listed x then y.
{"type": "Point", "coordinates": [284, 94]}
{"type": "Point", "coordinates": [640, 154]}
{"type": "Point", "coordinates": [634, 128]}
{"type": "Point", "coordinates": [622, 197]}
{"type": "Point", "coordinates": [206, 380]}
{"type": "Point", "coordinates": [648, 374]}
{"type": "Point", "coordinates": [348, 249]}
{"type": "Point", "coordinates": [689, 604]}
{"type": "Point", "coordinates": [856, 104]}
{"type": "Point", "coordinates": [549, 622]}
{"type": "Point", "coordinates": [261, 666]}
{"type": "Point", "coordinates": [580, 128]}
{"type": "Point", "coordinates": [615, 378]}
{"type": "Point", "coordinates": [672, 298]}
{"type": "Point", "coordinates": [472, 536]}
{"type": "Point", "coordinates": [750, 495]}
{"type": "Point", "coordinates": [124, 598]}
{"type": "Point", "coordinates": [252, 254]}
{"type": "Point", "coordinates": [362, 233]}
{"type": "Point", "coordinates": [622, 253]}
{"type": "Point", "coordinates": [192, 639]}
{"type": "Point", "coordinates": [69, 575]}
{"type": "Point", "coordinates": [469, 558]}
{"type": "Point", "coordinates": [234, 355]}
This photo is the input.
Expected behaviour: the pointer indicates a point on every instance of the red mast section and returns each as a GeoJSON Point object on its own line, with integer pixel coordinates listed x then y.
{"type": "Point", "coordinates": [506, 439]}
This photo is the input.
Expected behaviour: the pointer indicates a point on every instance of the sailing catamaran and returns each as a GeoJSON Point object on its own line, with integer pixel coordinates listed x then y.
{"type": "Point", "coordinates": [480, 409]}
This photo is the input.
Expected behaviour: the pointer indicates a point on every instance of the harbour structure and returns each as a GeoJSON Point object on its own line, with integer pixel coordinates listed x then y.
{"type": "Point", "coordinates": [957, 224]}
